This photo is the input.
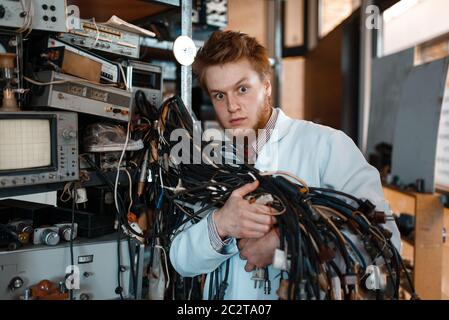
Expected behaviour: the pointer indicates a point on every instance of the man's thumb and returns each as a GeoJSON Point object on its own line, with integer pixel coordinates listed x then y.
{"type": "Point", "coordinates": [247, 188]}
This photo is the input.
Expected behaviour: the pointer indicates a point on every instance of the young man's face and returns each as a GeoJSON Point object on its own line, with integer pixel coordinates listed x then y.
{"type": "Point", "coordinates": [239, 95]}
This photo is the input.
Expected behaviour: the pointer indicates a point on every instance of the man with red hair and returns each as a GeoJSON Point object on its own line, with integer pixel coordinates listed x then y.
{"type": "Point", "coordinates": [233, 68]}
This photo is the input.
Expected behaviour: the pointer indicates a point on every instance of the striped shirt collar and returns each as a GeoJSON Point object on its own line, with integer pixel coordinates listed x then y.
{"type": "Point", "coordinates": [262, 139]}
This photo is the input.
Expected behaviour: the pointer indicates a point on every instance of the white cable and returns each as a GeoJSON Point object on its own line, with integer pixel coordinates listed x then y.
{"type": "Point", "coordinates": [288, 174]}
{"type": "Point", "coordinates": [252, 176]}
{"type": "Point", "coordinates": [31, 16]}
{"type": "Point", "coordinates": [26, 19]}
{"type": "Point", "coordinates": [146, 119]}
{"type": "Point", "coordinates": [124, 77]}
{"type": "Point", "coordinates": [119, 163]}
{"type": "Point", "coordinates": [160, 178]}
{"type": "Point", "coordinates": [190, 292]}
{"type": "Point", "coordinates": [97, 35]}
{"type": "Point", "coordinates": [20, 30]}
{"type": "Point", "coordinates": [166, 265]}
{"type": "Point", "coordinates": [66, 191]}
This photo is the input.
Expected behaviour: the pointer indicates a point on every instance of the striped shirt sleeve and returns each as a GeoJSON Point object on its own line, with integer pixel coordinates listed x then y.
{"type": "Point", "coordinates": [214, 237]}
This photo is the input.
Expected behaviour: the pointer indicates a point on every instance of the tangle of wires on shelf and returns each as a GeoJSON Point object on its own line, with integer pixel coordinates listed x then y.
{"type": "Point", "coordinates": [318, 227]}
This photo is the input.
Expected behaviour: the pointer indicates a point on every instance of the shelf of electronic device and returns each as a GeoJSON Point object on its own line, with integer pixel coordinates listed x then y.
{"type": "Point", "coordinates": [94, 179]}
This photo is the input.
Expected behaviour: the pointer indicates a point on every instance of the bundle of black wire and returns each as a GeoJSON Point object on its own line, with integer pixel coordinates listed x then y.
{"type": "Point", "coordinates": [313, 223]}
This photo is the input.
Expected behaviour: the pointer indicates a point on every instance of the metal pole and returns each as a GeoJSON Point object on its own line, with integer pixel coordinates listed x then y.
{"type": "Point", "coordinates": [278, 51]}
{"type": "Point", "coordinates": [186, 71]}
{"type": "Point", "coordinates": [365, 77]}
{"type": "Point", "coordinates": [274, 48]}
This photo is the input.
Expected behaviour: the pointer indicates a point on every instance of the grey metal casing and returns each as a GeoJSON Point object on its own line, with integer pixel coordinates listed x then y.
{"type": "Point", "coordinates": [104, 38]}
{"type": "Point", "coordinates": [153, 95]}
{"type": "Point", "coordinates": [48, 15]}
{"type": "Point", "coordinates": [97, 279]}
{"type": "Point", "coordinates": [66, 166]}
{"type": "Point", "coordinates": [83, 97]}
{"type": "Point", "coordinates": [109, 70]}
{"type": "Point", "coordinates": [38, 234]}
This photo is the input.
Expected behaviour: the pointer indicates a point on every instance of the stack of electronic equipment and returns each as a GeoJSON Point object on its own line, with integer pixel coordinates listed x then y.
{"type": "Point", "coordinates": [76, 116]}
{"type": "Point", "coordinates": [26, 223]}
{"type": "Point", "coordinates": [37, 239]}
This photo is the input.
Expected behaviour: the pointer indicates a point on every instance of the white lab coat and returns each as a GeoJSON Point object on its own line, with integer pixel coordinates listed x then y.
{"type": "Point", "coordinates": [322, 157]}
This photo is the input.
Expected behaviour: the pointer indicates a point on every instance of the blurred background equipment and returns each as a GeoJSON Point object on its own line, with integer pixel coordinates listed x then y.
{"type": "Point", "coordinates": [7, 75]}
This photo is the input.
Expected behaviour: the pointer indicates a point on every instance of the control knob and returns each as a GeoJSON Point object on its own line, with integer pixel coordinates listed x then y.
{"type": "Point", "coordinates": [50, 237]}
{"type": "Point", "coordinates": [15, 283]}
{"type": "Point", "coordinates": [66, 233]}
{"type": "Point", "coordinates": [69, 134]}
{"type": "Point", "coordinates": [84, 296]}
